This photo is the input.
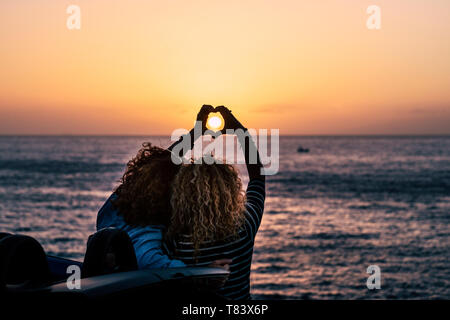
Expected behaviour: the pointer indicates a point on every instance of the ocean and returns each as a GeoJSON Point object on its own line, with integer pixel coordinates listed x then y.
{"type": "Point", "coordinates": [349, 203]}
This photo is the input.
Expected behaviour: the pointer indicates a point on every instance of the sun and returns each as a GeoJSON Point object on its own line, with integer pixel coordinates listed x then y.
{"type": "Point", "coordinates": [214, 123]}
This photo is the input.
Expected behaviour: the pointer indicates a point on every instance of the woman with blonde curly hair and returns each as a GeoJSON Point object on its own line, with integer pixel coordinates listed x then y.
{"type": "Point", "coordinates": [213, 219]}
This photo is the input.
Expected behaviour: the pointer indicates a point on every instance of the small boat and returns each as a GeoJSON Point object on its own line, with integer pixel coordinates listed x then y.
{"type": "Point", "coordinates": [300, 149]}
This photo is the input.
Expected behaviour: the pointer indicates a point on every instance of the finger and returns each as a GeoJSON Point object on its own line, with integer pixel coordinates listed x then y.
{"type": "Point", "coordinates": [203, 113]}
{"type": "Point", "coordinates": [223, 261]}
{"type": "Point", "coordinates": [222, 109]}
{"type": "Point", "coordinates": [226, 267]}
{"type": "Point", "coordinates": [206, 108]}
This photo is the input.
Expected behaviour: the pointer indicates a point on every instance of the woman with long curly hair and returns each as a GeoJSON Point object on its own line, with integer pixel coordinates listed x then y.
{"type": "Point", "coordinates": [213, 219]}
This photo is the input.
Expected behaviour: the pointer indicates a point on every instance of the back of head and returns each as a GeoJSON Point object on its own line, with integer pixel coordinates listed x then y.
{"type": "Point", "coordinates": [207, 202]}
{"type": "Point", "coordinates": [143, 198]}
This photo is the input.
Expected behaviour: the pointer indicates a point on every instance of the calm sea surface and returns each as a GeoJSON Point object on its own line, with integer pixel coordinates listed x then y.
{"type": "Point", "coordinates": [349, 203]}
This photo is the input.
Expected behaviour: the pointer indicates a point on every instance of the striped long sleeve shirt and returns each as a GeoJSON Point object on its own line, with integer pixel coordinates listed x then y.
{"type": "Point", "coordinates": [239, 249]}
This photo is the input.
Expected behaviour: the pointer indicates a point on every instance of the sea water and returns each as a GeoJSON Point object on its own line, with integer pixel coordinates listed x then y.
{"type": "Point", "coordinates": [349, 203]}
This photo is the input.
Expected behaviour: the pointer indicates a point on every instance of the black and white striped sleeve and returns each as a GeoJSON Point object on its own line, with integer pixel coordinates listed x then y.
{"type": "Point", "coordinates": [254, 207]}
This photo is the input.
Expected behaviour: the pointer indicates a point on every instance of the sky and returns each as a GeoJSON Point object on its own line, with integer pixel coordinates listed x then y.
{"type": "Point", "coordinates": [303, 67]}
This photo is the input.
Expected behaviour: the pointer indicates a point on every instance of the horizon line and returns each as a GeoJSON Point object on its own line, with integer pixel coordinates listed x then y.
{"type": "Point", "coordinates": [281, 135]}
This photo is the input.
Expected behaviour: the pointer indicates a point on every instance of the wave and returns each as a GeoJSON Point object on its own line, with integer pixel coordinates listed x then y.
{"type": "Point", "coordinates": [58, 166]}
{"type": "Point", "coordinates": [435, 182]}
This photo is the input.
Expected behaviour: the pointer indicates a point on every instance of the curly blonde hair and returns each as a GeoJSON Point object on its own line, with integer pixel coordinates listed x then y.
{"type": "Point", "coordinates": [207, 203]}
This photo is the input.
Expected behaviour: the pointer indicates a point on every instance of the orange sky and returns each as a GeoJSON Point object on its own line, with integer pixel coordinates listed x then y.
{"type": "Point", "coordinates": [146, 67]}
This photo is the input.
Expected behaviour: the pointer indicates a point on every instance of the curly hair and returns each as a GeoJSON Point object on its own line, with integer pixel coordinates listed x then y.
{"type": "Point", "coordinates": [207, 203]}
{"type": "Point", "coordinates": [143, 197]}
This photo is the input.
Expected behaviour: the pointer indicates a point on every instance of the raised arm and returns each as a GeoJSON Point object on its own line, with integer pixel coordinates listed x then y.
{"type": "Point", "coordinates": [256, 189]}
{"type": "Point", "coordinates": [252, 158]}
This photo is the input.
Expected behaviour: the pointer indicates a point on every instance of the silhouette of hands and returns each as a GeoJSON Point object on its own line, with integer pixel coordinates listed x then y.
{"type": "Point", "coordinates": [230, 121]}
{"type": "Point", "coordinates": [203, 115]}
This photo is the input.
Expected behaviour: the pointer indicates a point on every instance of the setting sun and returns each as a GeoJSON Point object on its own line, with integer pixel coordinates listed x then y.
{"type": "Point", "coordinates": [214, 123]}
